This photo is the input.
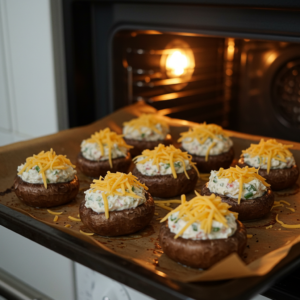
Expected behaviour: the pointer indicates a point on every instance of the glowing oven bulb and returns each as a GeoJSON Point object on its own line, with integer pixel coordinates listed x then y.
{"type": "Point", "coordinates": [177, 63]}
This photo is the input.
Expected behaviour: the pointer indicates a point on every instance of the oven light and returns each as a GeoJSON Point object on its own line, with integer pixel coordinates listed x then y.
{"type": "Point", "coordinates": [177, 63]}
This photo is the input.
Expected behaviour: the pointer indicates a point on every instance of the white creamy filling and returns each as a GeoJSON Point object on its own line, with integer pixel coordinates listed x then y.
{"type": "Point", "coordinates": [91, 151]}
{"type": "Point", "coordinates": [150, 169]}
{"type": "Point", "coordinates": [94, 200]}
{"type": "Point", "coordinates": [194, 231]}
{"type": "Point", "coordinates": [52, 176]}
{"type": "Point", "coordinates": [251, 190]}
{"type": "Point", "coordinates": [257, 162]}
{"type": "Point", "coordinates": [222, 145]}
{"type": "Point", "coordinates": [145, 133]}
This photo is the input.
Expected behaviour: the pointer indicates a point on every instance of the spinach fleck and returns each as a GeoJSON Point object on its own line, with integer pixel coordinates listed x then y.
{"type": "Point", "coordinates": [173, 218]}
{"type": "Point", "coordinates": [215, 229]}
{"type": "Point", "coordinates": [248, 195]}
{"type": "Point", "coordinates": [251, 188]}
{"type": "Point", "coordinates": [177, 164]}
{"type": "Point", "coordinates": [195, 227]}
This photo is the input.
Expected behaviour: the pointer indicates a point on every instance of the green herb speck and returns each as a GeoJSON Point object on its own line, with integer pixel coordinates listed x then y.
{"type": "Point", "coordinates": [248, 195]}
{"type": "Point", "coordinates": [215, 229]}
{"type": "Point", "coordinates": [37, 168]}
{"type": "Point", "coordinates": [251, 188]}
{"type": "Point", "coordinates": [173, 218]}
{"type": "Point", "coordinates": [177, 164]}
{"type": "Point", "coordinates": [195, 227]}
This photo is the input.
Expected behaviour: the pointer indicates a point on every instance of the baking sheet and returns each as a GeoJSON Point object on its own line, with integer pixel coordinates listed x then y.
{"type": "Point", "coordinates": [264, 250]}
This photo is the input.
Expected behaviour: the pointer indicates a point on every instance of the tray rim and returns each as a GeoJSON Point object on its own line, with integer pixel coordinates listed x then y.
{"type": "Point", "coordinates": [130, 273]}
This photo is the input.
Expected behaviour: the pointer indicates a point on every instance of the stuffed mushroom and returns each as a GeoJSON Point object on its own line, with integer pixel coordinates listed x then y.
{"type": "Point", "coordinates": [116, 205]}
{"type": "Point", "coordinates": [146, 132]}
{"type": "Point", "coordinates": [46, 180]}
{"type": "Point", "coordinates": [243, 189]}
{"type": "Point", "coordinates": [166, 171]}
{"type": "Point", "coordinates": [209, 145]}
{"type": "Point", "coordinates": [104, 151]}
{"type": "Point", "coordinates": [201, 232]}
{"type": "Point", "coordinates": [274, 162]}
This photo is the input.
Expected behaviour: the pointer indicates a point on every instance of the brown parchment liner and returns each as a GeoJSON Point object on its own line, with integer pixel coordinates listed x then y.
{"type": "Point", "coordinates": [264, 250]}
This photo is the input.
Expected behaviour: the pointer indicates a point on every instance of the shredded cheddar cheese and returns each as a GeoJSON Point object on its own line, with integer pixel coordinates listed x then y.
{"type": "Point", "coordinates": [166, 154]}
{"type": "Point", "coordinates": [270, 226]}
{"type": "Point", "coordinates": [74, 219]}
{"type": "Point", "coordinates": [145, 120]}
{"type": "Point", "coordinates": [113, 182]}
{"type": "Point", "coordinates": [242, 175]}
{"type": "Point", "coordinates": [287, 225]}
{"type": "Point", "coordinates": [107, 138]}
{"type": "Point", "coordinates": [276, 205]}
{"type": "Point", "coordinates": [267, 150]}
{"type": "Point", "coordinates": [54, 212]}
{"type": "Point", "coordinates": [202, 209]}
{"type": "Point", "coordinates": [291, 209]}
{"type": "Point", "coordinates": [166, 203]}
{"type": "Point", "coordinates": [86, 233]}
{"type": "Point", "coordinates": [285, 202]}
{"type": "Point", "coordinates": [55, 218]}
{"type": "Point", "coordinates": [67, 225]}
{"type": "Point", "coordinates": [249, 236]}
{"type": "Point", "coordinates": [46, 160]}
{"type": "Point", "coordinates": [201, 133]}
{"type": "Point", "coordinates": [279, 203]}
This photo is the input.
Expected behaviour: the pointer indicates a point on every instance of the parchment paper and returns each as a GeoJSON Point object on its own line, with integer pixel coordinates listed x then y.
{"type": "Point", "coordinates": [264, 250]}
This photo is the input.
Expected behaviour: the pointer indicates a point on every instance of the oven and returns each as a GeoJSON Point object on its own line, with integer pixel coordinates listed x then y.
{"type": "Point", "coordinates": [233, 63]}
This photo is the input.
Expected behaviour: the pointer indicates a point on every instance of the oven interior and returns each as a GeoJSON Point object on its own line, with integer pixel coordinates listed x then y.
{"type": "Point", "coordinates": [246, 85]}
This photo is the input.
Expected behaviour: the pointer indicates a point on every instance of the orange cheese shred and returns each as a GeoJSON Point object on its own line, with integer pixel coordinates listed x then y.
{"type": "Point", "coordinates": [287, 225]}
{"type": "Point", "coordinates": [204, 209]}
{"type": "Point", "coordinates": [242, 175]}
{"type": "Point", "coordinates": [112, 183]}
{"type": "Point", "coordinates": [201, 133]}
{"type": "Point", "coordinates": [146, 120]}
{"type": "Point", "coordinates": [86, 233]}
{"type": "Point", "coordinates": [54, 212]}
{"type": "Point", "coordinates": [267, 150]}
{"type": "Point", "coordinates": [74, 219]}
{"type": "Point", "coordinates": [168, 155]}
{"type": "Point", "coordinates": [106, 138]}
{"type": "Point", "coordinates": [45, 161]}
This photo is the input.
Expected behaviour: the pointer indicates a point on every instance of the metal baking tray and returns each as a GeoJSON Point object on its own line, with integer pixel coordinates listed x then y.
{"type": "Point", "coordinates": [136, 276]}
{"type": "Point", "coordinates": [118, 268]}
